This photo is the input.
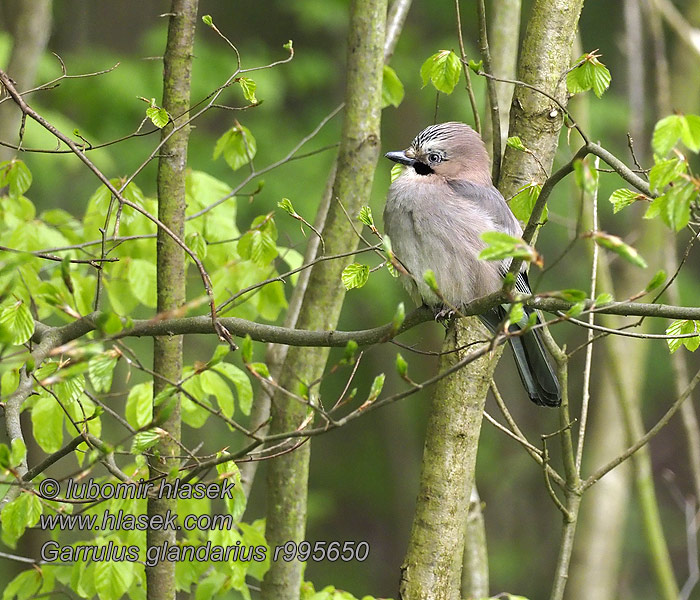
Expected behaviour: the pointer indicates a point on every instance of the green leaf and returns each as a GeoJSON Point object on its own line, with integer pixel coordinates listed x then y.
{"type": "Point", "coordinates": [24, 586]}
{"type": "Point", "coordinates": [376, 388]}
{"type": "Point", "coordinates": [248, 86]}
{"type": "Point", "coordinates": [237, 145]}
{"type": "Point", "coordinates": [501, 245]}
{"type": "Point", "coordinates": [524, 201]}
{"type": "Point", "coordinates": [207, 20]}
{"type": "Point", "coordinates": [143, 440]}
{"type": "Point", "coordinates": [17, 322]}
{"type": "Point", "coordinates": [576, 309]}
{"type": "Point", "coordinates": [442, 69]}
{"type": "Point", "coordinates": [666, 134]}
{"type": "Point", "coordinates": [109, 323]}
{"type": "Point", "coordinates": [141, 275]}
{"type": "Point", "coordinates": [247, 349]}
{"type": "Point", "coordinates": [195, 241]}
{"type": "Point", "coordinates": [261, 369]}
{"type": "Point", "coordinates": [590, 74]}
{"type": "Point", "coordinates": [516, 143]}
{"type": "Point", "coordinates": [101, 370]}
{"type": "Point", "coordinates": [242, 382]}
{"type": "Point", "coordinates": [355, 275]}
{"type": "Point", "coordinates": [289, 46]}
{"type": "Point", "coordinates": [401, 365]}
{"type": "Point", "coordinates": [516, 312]}
{"type": "Point", "coordinates": [365, 216]}
{"type": "Point", "coordinates": [684, 328]}
{"type": "Point", "coordinates": [399, 317]}
{"type": "Point", "coordinates": [158, 116]}
{"type": "Point", "coordinates": [604, 298]}
{"type": "Point", "coordinates": [624, 197]}
{"type": "Point", "coordinates": [396, 170]}
{"type": "Point", "coordinates": [286, 205]}
{"type": "Point", "coordinates": [16, 516]}
{"type": "Point", "coordinates": [673, 206]}
{"type": "Point", "coordinates": [691, 134]}
{"type": "Point", "coordinates": [214, 385]}
{"type": "Point", "coordinates": [665, 171]}
{"type": "Point", "coordinates": [476, 66]}
{"type": "Point", "coordinates": [656, 281]}
{"type": "Point", "coordinates": [18, 452]}
{"type": "Point", "coordinates": [429, 278]}
{"type": "Point", "coordinates": [572, 295]}
{"type": "Point", "coordinates": [392, 88]}
{"type": "Point", "coordinates": [350, 351]}
{"type": "Point", "coordinates": [139, 405]}
{"type": "Point", "coordinates": [615, 244]}
{"type": "Point", "coordinates": [113, 578]}
{"type": "Point", "coordinates": [16, 175]}
{"type": "Point", "coordinates": [586, 177]}
{"type": "Point", "coordinates": [47, 423]}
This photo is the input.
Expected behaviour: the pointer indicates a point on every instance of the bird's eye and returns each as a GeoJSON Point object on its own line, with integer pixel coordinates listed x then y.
{"type": "Point", "coordinates": [434, 158]}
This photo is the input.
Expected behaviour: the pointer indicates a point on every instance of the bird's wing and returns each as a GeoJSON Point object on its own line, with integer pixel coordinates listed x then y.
{"type": "Point", "coordinates": [491, 201]}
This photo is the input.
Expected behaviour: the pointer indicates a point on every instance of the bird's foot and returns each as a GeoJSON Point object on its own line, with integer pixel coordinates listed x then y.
{"type": "Point", "coordinates": [444, 316]}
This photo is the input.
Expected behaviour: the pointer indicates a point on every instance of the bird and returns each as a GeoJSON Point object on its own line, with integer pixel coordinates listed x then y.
{"type": "Point", "coordinates": [435, 213]}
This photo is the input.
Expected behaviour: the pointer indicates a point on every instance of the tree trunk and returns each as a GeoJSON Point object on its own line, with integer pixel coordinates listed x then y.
{"type": "Point", "coordinates": [167, 351]}
{"type": "Point", "coordinates": [433, 564]}
{"type": "Point", "coordinates": [30, 26]}
{"type": "Point", "coordinates": [359, 150]}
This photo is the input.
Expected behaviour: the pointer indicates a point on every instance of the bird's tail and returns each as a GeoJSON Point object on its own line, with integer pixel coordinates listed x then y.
{"type": "Point", "coordinates": [536, 373]}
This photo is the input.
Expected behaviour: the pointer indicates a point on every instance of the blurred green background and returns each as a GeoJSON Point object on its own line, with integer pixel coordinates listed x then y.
{"type": "Point", "coordinates": [364, 476]}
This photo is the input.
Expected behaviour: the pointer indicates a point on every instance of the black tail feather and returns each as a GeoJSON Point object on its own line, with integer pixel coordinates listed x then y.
{"type": "Point", "coordinates": [537, 375]}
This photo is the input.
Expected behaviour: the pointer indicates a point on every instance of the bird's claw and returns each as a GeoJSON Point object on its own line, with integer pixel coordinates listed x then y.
{"type": "Point", "coordinates": [444, 316]}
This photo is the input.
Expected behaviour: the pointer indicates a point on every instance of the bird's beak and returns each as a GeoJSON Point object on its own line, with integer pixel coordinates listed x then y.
{"type": "Point", "coordinates": [400, 157]}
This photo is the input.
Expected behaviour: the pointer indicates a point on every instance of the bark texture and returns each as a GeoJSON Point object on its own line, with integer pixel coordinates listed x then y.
{"type": "Point", "coordinates": [433, 564]}
{"type": "Point", "coordinates": [30, 26]}
{"type": "Point", "coordinates": [359, 150]}
{"type": "Point", "coordinates": [167, 351]}
{"type": "Point", "coordinates": [545, 57]}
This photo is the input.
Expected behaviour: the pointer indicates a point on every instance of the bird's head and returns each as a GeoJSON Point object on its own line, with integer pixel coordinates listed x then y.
{"type": "Point", "coordinates": [450, 150]}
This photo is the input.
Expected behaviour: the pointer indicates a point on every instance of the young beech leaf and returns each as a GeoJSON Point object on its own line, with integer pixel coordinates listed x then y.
{"type": "Point", "coordinates": [350, 351]}
{"type": "Point", "coordinates": [286, 205]}
{"type": "Point", "coordinates": [16, 175]}
{"type": "Point", "coordinates": [376, 388]}
{"type": "Point", "coordinates": [401, 365]}
{"type": "Point", "coordinates": [248, 86]}
{"type": "Point", "coordinates": [247, 349]}
{"type": "Point", "coordinates": [207, 20]}
{"type": "Point", "coordinates": [665, 171]}
{"type": "Point", "coordinates": [396, 170]}
{"type": "Point", "coordinates": [399, 317]}
{"type": "Point", "coordinates": [656, 281]}
{"type": "Point", "coordinates": [365, 216]}
{"type": "Point", "coordinates": [624, 197]}
{"type": "Point", "coordinates": [501, 245]}
{"type": "Point", "coordinates": [237, 145]}
{"type": "Point", "coordinates": [604, 298]}
{"type": "Point", "coordinates": [442, 69]}
{"type": "Point", "coordinates": [524, 201]}
{"type": "Point", "coordinates": [392, 88]}
{"type": "Point", "coordinates": [589, 74]}
{"type": "Point", "coordinates": [355, 275]}
{"type": "Point", "coordinates": [158, 116]}
{"type": "Point", "coordinates": [429, 278]}
{"type": "Point", "coordinates": [614, 243]}
{"type": "Point", "coordinates": [667, 132]}
{"type": "Point", "coordinates": [516, 143]}
{"type": "Point", "coordinates": [684, 328]}
{"type": "Point", "coordinates": [476, 66]}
